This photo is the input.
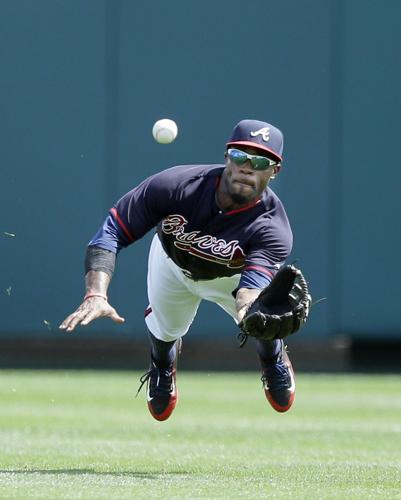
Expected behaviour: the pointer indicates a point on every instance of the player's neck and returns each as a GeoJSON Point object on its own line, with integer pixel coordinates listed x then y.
{"type": "Point", "coordinates": [226, 202]}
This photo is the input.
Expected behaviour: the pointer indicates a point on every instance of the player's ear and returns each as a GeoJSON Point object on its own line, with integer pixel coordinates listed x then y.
{"type": "Point", "coordinates": [276, 170]}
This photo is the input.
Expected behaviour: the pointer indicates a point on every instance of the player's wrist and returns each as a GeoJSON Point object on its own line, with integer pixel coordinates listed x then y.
{"type": "Point", "coordinates": [89, 295]}
{"type": "Point", "coordinates": [241, 311]}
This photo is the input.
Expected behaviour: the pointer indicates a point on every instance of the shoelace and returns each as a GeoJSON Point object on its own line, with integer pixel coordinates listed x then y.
{"type": "Point", "coordinates": [277, 374]}
{"type": "Point", "coordinates": [163, 378]}
{"type": "Point", "coordinates": [242, 337]}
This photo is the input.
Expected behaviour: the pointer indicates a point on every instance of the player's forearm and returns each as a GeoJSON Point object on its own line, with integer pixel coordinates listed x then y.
{"type": "Point", "coordinates": [97, 282]}
{"type": "Point", "coordinates": [99, 268]}
{"type": "Point", "coordinates": [243, 298]}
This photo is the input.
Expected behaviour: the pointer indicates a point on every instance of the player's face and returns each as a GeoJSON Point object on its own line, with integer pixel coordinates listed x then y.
{"type": "Point", "coordinates": [241, 182]}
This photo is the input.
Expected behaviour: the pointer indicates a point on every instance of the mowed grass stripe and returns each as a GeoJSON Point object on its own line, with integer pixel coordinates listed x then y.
{"type": "Point", "coordinates": [84, 435]}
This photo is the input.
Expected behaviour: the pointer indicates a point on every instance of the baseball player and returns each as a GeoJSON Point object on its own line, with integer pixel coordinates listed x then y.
{"type": "Point", "coordinates": [221, 235]}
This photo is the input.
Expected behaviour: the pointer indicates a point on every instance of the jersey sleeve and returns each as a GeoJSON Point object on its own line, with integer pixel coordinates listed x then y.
{"type": "Point", "coordinates": [268, 250]}
{"type": "Point", "coordinates": [138, 211]}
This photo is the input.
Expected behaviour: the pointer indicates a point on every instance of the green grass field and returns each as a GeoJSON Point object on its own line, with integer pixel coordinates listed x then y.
{"type": "Point", "coordinates": [84, 435]}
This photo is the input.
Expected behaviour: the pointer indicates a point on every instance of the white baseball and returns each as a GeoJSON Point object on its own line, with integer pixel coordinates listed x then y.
{"type": "Point", "coordinates": [165, 131]}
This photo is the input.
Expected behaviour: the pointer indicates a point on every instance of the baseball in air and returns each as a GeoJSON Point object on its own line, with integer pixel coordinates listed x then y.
{"type": "Point", "coordinates": [165, 131]}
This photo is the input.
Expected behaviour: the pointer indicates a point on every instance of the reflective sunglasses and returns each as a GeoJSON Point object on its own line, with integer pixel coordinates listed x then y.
{"type": "Point", "coordinates": [258, 162]}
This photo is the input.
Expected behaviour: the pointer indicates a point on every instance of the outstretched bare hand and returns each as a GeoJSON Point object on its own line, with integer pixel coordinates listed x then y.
{"type": "Point", "coordinates": [90, 309]}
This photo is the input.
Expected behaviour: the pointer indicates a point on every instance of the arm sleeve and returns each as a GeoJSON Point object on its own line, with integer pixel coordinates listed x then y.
{"type": "Point", "coordinates": [98, 259]}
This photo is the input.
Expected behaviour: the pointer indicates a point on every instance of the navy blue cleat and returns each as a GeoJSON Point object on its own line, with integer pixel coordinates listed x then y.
{"type": "Point", "coordinates": [279, 381]}
{"type": "Point", "coordinates": [161, 391]}
{"type": "Point", "coordinates": [161, 388]}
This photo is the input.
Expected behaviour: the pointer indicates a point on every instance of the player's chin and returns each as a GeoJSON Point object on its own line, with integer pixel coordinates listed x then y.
{"type": "Point", "coordinates": [244, 191]}
{"type": "Point", "coordinates": [241, 198]}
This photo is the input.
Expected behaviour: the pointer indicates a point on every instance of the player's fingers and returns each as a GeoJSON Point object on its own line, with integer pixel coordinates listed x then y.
{"type": "Point", "coordinates": [113, 314]}
{"type": "Point", "coordinates": [67, 322]}
{"type": "Point", "coordinates": [78, 316]}
{"type": "Point", "coordinates": [76, 320]}
{"type": "Point", "coordinates": [100, 309]}
{"type": "Point", "coordinates": [116, 317]}
{"type": "Point", "coordinates": [64, 324]}
{"type": "Point", "coordinates": [90, 316]}
{"type": "Point", "coordinates": [89, 312]}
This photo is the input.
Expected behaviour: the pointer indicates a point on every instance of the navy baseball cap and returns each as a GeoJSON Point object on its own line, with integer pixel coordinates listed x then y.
{"type": "Point", "coordinates": [259, 135]}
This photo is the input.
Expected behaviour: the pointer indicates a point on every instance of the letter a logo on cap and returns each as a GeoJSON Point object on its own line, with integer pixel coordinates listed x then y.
{"type": "Point", "coordinates": [264, 132]}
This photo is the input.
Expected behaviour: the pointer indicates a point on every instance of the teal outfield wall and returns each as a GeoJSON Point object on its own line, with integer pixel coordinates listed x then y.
{"type": "Point", "coordinates": [82, 83]}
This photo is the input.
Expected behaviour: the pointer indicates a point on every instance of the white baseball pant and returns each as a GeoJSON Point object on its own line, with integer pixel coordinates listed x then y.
{"type": "Point", "coordinates": [174, 298]}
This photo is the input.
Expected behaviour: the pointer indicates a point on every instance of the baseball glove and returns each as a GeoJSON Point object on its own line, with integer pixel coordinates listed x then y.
{"type": "Point", "coordinates": [280, 309]}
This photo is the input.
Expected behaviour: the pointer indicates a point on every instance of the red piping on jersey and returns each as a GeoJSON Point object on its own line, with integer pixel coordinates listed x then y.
{"type": "Point", "coordinates": [148, 310]}
{"type": "Point", "coordinates": [231, 212]}
{"type": "Point", "coordinates": [113, 212]}
{"type": "Point", "coordinates": [261, 269]}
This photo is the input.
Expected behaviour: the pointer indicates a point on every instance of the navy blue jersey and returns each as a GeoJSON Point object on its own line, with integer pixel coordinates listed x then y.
{"type": "Point", "coordinates": [196, 234]}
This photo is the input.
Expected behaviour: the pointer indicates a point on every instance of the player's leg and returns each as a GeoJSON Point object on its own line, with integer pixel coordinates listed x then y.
{"type": "Point", "coordinates": [278, 376]}
{"type": "Point", "coordinates": [267, 349]}
{"type": "Point", "coordinates": [277, 373]}
{"type": "Point", "coordinates": [172, 308]}
{"type": "Point", "coordinates": [172, 305]}
{"type": "Point", "coordinates": [162, 353]}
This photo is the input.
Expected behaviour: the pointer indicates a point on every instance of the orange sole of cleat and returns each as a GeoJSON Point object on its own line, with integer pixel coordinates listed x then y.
{"type": "Point", "coordinates": [167, 412]}
{"type": "Point", "coordinates": [276, 406]}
